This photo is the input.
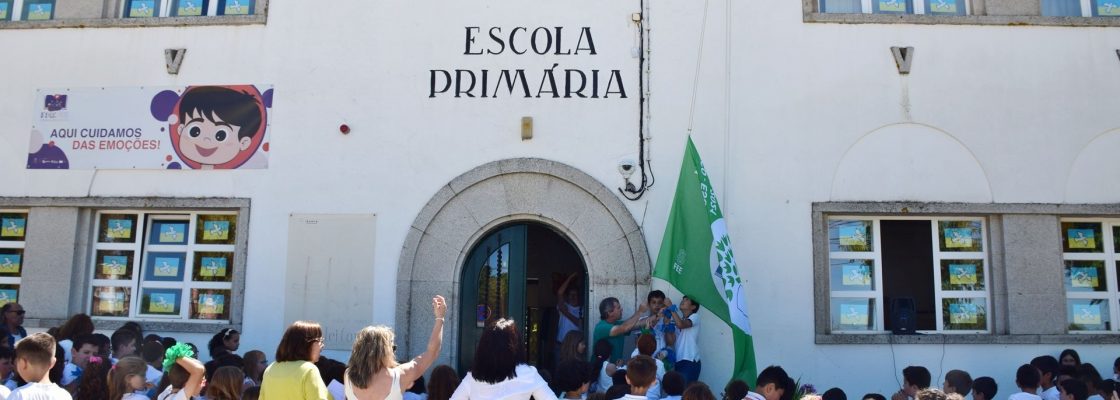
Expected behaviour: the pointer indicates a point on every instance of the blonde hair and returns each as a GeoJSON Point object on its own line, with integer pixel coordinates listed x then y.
{"type": "Point", "coordinates": [372, 352]}
{"type": "Point", "coordinates": [118, 375]}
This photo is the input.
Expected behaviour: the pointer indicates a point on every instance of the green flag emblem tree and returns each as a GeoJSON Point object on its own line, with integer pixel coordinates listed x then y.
{"type": "Point", "coordinates": [696, 258]}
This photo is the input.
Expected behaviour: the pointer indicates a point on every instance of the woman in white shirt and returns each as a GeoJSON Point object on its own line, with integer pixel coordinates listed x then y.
{"type": "Point", "coordinates": [499, 372]}
{"type": "Point", "coordinates": [373, 372]}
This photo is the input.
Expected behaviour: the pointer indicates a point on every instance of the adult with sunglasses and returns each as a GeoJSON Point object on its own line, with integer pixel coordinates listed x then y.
{"type": "Point", "coordinates": [293, 375]}
{"type": "Point", "coordinates": [12, 327]}
{"type": "Point", "coordinates": [226, 341]}
{"type": "Point", "coordinates": [373, 372]}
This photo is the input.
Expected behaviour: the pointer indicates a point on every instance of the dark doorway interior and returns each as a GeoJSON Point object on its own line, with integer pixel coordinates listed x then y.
{"type": "Point", "coordinates": [550, 260]}
{"type": "Point", "coordinates": [515, 271]}
{"type": "Point", "coordinates": [908, 268]}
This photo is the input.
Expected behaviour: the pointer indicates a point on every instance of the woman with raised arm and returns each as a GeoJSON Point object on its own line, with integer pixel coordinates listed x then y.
{"type": "Point", "coordinates": [373, 372]}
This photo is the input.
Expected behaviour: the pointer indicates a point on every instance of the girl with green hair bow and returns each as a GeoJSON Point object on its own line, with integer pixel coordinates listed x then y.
{"type": "Point", "coordinates": [182, 373]}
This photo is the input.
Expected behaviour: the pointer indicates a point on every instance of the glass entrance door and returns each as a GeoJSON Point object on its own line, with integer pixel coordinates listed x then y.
{"type": "Point", "coordinates": [493, 287]}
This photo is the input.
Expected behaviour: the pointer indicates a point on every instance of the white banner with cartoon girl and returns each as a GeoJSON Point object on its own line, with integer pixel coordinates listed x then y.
{"type": "Point", "coordinates": [194, 127]}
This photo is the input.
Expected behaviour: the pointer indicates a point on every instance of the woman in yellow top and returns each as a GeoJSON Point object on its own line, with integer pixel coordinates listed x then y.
{"type": "Point", "coordinates": [293, 375]}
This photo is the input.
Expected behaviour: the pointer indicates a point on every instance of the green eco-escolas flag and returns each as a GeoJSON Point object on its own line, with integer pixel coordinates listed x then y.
{"type": "Point", "coordinates": [696, 258]}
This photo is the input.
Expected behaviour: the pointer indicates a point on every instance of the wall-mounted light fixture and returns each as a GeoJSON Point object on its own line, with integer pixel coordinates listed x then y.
{"type": "Point", "coordinates": [526, 128]}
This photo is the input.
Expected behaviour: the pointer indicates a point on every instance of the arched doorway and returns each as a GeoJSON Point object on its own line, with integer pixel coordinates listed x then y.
{"type": "Point", "coordinates": [521, 270]}
{"type": "Point", "coordinates": [465, 210]}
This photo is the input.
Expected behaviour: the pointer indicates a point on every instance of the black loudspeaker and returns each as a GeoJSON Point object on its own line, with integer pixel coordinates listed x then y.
{"type": "Point", "coordinates": [903, 316]}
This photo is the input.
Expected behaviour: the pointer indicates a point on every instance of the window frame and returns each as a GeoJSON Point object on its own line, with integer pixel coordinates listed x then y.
{"type": "Point", "coordinates": [19, 9]}
{"type": "Point", "coordinates": [21, 245]}
{"type": "Point", "coordinates": [115, 10]}
{"type": "Point", "coordinates": [1111, 259]}
{"type": "Point", "coordinates": [10, 11]}
{"type": "Point", "coordinates": [939, 294]}
{"type": "Point", "coordinates": [169, 9]}
{"type": "Point", "coordinates": [977, 15]}
{"type": "Point", "coordinates": [917, 7]}
{"type": "Point", "coordinates": [72, 252]}
{"type": "Point", "coordinates": [1023, 244]}
{"type": "Point", "coordinates": [143, 250]}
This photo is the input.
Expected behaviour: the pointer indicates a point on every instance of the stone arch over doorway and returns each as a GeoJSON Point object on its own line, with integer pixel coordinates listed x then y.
{"type": "Point", "coordinates": [523, 189]}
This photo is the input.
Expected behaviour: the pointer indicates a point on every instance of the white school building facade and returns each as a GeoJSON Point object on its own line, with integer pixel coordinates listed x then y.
{"type": "Point", "coordinates": [956, 157]}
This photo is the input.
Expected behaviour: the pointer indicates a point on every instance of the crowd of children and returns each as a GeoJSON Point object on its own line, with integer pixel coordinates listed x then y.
{"type": "Point", "coordinates": [72, 361]}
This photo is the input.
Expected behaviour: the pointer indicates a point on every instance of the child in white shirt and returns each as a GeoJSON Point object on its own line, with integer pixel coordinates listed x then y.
{"type": "Point", "coordinates": [34, 358]}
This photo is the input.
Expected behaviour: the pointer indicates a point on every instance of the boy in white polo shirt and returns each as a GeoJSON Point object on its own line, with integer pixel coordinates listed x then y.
{"type": "Point", "coordinates": [34, 359]}
{"type": "Point", "coordinates": [1047, 371]}
{"type": "Point", "coordinates": [1027, 379]}
{"type": "Point", "coordinates": [770, 385]}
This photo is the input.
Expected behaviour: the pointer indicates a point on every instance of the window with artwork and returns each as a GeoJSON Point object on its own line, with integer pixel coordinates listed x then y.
{"type": "Point", "coordinates": [6, 10]}
{"type": "Point", "coordinates": [186, 8]}
{"type": "Point", "coordinates": [965, 12]}
{"type": "Point", "coordinates": [1090, 263]}
{"type": "Point", "coordinates": [163, 265]}
{"type": "Point", "coordinates": [927, 7]}
{"type": "Point", "coordinates": [940, 265]}
{"type": "Point", "coordinates": [27, 10]}
{"type": "Point", "coordinates": [13, 236]}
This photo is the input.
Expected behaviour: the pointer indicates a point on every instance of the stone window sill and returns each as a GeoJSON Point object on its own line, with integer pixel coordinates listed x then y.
{"type": "Point", "coordinates": [149, 326]}
{"type": "Point", "coordinates": [886, 338]}
{"type": "Point", "coordinates": [259, 19]}
{"type": "Point", "coordinates": [959, 20]}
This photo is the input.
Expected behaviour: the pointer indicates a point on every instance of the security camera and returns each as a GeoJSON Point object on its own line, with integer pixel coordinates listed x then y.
{"type": "Point", "coordinates": [626, 168]}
